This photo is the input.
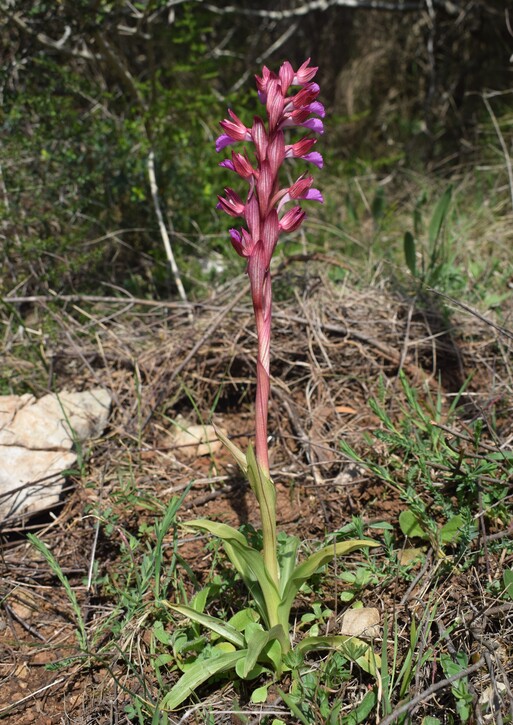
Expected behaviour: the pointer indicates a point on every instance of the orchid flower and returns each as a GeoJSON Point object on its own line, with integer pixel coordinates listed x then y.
{"type": "Point", "coordinates": [263, 210]}
{"type": "Point", "coordinates": [266, 219]}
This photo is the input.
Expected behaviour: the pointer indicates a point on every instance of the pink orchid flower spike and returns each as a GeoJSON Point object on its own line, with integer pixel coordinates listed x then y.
{"type": "Point", "coordinates": [263, 210]}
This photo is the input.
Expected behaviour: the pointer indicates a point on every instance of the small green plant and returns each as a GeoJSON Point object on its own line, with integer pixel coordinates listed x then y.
{"type": "Point", "coordinates": [444, 477]}
{"type": "Point", "coordinates": [435, 262]}
{"type": "Point", "coordinates": [395, 677]}
{"type": "Point", "coordinates": [453, 665]}
{"type": "Point", "coordinates": [57, 570]}
{"type": "Point", "coordinates": [507, 580]}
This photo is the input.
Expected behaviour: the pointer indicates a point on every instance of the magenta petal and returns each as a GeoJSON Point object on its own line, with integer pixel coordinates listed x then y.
{"type": "Point", "coordinates": [314, 124]}
{"type": "Point", "coordinates": [222, 141]}
{"type": "Point", "coordinates": [317, 108]}
{"type": "Point", "coordinates": [314, 195]}
{"type": "Point", "coordinates": [227, 164]}
{"type": "Point", "coordinates": [314, 157]}
{"type": "Point", "coordinates": [236, 240]}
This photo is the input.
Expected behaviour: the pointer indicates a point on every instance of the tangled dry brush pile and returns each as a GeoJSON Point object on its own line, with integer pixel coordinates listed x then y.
{"type": "Point", "coordinates": [335, 348]}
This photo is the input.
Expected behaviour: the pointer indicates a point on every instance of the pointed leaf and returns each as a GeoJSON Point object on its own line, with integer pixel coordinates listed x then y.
{"type": "Point", "coordinates": [287, 560]}
{"type": "Point", "coordinates": [225, 533]}
{"type": "Point", "coordinates": [217, 529]}
{"type": "Point", "coordinates": [216, 625]}
{"type": "Point", "coordinates": [310, 566]}
{"type": "Point", "coordinates": [451, 530]}
{"type": "Point", "coordinates": [199, 601]}
{"type": "Point", "coordinates": [274, 652]}
{"type": "Point", "coordinates": [409, 253]}
{"type": "Point", "coordinates": [439, 214]}
{"type": "Point", "coordinates": [199, 673]}
{"type": "Point", "coordinates": [257, 639]}
{"type": "Point", "coordinates": [351, 647]}
{"type": "Point", "coordinates": [251, 674]}
{"type": "Point", "coordinates": [236, 452]}
{"type": "Point", "coordinates": [259, 695]}
{"type": "Point", "coordinates": [249, 564]}
{"type": "Point", "coordinates": [410, 525]}
{"type": "Point", "coordinates": [261, 485]}
{"type": "Point", "coordinates": [242, 618]}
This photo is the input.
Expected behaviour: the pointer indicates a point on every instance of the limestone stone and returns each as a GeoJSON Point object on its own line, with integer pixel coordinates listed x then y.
{"type": "Point", "coordinates": [36, 445]}
{"type": "Point", "coordinates": [191, 441]}
{"type": "Point", "coordinates": [361, 622]}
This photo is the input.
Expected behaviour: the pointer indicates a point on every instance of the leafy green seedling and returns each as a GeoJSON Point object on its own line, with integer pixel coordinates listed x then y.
{"type": "Point", "coordinates": [449, 533]}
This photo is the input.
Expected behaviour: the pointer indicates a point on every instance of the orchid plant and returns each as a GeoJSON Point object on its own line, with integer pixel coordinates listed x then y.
{"type": "Point", "coordinates": [258, 638]}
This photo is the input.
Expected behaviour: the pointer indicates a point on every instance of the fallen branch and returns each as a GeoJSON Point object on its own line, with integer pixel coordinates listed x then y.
{"type": "Point", "coordinates": [426, 695]}
{"type": "Point", "coordinates": [163, 230]}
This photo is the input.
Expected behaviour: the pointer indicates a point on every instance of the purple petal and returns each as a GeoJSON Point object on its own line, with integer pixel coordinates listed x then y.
{"type": "Point", "coordinates": [224, 140]}
{"type": "Point", "coordinates": [313, 195]}
{"type": "Point", "coordinates": [314, 157]}
{"type": "Point", "coordinates": [314, 124]}
{"type": "Point", "coordinates": [236, 240]}
{"type": "Point", "coordinates": [317, 108]}
{"type": "Point", "coordinates": [227, 164]}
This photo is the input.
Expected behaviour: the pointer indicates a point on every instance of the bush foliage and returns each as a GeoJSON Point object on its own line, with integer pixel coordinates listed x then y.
{"type": "Point", "coordinates": [88, 89]}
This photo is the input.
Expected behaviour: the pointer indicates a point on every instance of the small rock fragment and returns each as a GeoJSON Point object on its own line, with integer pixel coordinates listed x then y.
{"type": "Point", "coordinates": [196, 440]}
{"type": "Point", "coordinates": [362, 622]}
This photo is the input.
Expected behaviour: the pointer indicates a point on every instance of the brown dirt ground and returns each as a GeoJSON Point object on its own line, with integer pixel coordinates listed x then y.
{"type": "Point", "coordinates": [331, 346]}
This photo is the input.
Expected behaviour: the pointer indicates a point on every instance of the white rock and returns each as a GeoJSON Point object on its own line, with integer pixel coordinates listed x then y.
{"type": "Point", "coordinates": [362, 622]}
{"type": "Point", "coordinates": [196, 440]}
{"type": "Point", "coordinates": [36, 438]}
{"type": "Point", "coordinates": [31, 481]}
{"type": "Point", "coordinates": [54, 421]}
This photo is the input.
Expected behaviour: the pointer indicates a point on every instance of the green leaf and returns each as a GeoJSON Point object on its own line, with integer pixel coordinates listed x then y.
{"type": "Point", "coordinates": [361, 713]}
{"type": "Point", "coordinates": [265, 493]}
{"type": "Point", "coordinates": [242, 618]}
{"type": "Point", "coordinates": [287, 560]}
{"type": "Point", "coordinates": [507, 578]}
{"type": "Point", "coordinates": [274, 653]}
{"type": "Point", "coordinates": [223, 531]}
{"type": "Point", "coordinates": [257, 639]}
{"type": "Point", "coordinates": [310, 566]}
{"type": "Point", "coordinates": [226, 533]}
{"type": "Point", "coordinates": [290, 702]}
{"type": "Point", "coordinates": [439, 214]}
{"type": "Point", "coordinates": [236, 452]}
{"type": "Point", "coordinates": [216, 625]}
{"type": "Point", "coordinates": [259, 695]}
{"type": "Point", "coordinates": [199, 601]}
{"type": "Point", "coordinates": [199, 673]}
{"type": "Point", "coordinates": [451, 530]}
{"type": "Point", "coordinates": [163, 659]}
{"type": "Point", "coordinates": [249, 564]}
{"type": "Point", "coordinates": [410, 526]}
{"type": "Point", "coordinates": [353, 648]}
{"type": "Point", "coordinates": [410, 252]}
{"type": "Point", "coordinates": [160, 633]}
